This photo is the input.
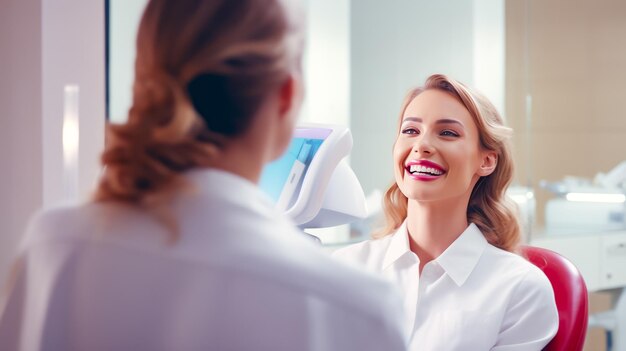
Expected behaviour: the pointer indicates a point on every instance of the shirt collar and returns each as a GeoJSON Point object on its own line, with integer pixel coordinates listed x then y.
{"type": "Point", "coordinates": [398, 247]}
{"type": "Point", "coordinates": [462, 256]}
{"type": "Point", "coordinates": [228, 186]}
{"type": "Point", "coordinates": [458, 260]}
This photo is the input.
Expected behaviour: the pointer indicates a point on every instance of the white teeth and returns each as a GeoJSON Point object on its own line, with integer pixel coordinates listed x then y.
{"type": "Point", "coordinates": [424, 169]}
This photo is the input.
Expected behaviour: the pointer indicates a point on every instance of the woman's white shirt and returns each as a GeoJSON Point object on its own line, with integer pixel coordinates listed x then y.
{"type": "Point", "coordinates": [240, 277]}
{"type": "Point", "coordinates": [474, 296]}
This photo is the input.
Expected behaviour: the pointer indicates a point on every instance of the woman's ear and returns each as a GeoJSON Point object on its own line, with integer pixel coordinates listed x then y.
{"type": "Point", "coordinates": [287, 95]}
{"type": "Point", "coordinates": [489, 163]}
{"type": "Point", "coordinates": [286, 105]}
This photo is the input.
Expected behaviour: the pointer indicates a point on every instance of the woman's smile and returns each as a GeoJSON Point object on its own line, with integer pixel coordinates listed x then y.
{"type": "Point", "coordinates": [424, 170]}
{"type": "Point", "coordinates": [438, 145]}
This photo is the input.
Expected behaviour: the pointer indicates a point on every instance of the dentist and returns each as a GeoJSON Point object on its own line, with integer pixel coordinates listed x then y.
{"type": "Point", "coordinates": [179, 250]}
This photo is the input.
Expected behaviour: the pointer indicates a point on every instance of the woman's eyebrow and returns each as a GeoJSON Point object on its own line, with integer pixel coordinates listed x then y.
{"type": "Point", "coordinates": [449, 121]}
{"type": "Point", "coordinates": [412, 119]}
{"type": "Point", "coordinates": [440, 121]}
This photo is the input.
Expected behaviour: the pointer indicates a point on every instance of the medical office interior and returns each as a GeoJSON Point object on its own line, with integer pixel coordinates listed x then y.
{"type": "Point", "coordinates": [555, 69]}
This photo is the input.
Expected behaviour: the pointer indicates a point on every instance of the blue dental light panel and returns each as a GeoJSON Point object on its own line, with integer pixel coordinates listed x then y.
{"type": "Point", "coordinates": [282, 178]}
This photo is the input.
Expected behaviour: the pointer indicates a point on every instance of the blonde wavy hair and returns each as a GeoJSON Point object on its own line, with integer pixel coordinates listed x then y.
{"type": "Point", "coordinates": [202, 70]}
{"type": "Point", "coordinates": [489, 208]}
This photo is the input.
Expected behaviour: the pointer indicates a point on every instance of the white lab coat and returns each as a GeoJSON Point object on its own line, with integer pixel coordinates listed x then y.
{"type": "Point", "coordinates": [474, 296]}
{"type": "Point", "coordinates": [240, 277]}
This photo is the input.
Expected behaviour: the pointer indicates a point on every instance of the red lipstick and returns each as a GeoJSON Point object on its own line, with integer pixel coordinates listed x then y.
{"type": "Point", "coordinates": [423, 170]}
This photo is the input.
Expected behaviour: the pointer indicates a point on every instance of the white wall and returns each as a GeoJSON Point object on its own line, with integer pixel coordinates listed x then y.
{"type": "Point", "coordinates": [73, 53]}
{"type": "Point", "coordinates": [21, 180]}
{"type": "Point", "coordinates": [327, 62]}
{"type": "Point", "coordinates": [489, 50]}
{"type": "Point", "coordinates": [46, 44]}
{"type": "Point", "coordinates": [124, 22]}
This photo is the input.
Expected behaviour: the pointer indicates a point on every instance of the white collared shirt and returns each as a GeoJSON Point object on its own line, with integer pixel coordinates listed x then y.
{"type": "Point", "coordinates": [240, 277]}
{"type": "Point", "coordinates": [474, 296]}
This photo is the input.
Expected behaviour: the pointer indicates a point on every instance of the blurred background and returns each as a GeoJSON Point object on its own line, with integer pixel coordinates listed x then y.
{"type": "Point", "coordinates": [555, 69]}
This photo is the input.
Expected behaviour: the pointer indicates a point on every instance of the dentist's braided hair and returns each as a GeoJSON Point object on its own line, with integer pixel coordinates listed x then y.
{"type": "Point", "coordinates": [488, 208]}
{"type": "Point", "coordinates": [202, 70]}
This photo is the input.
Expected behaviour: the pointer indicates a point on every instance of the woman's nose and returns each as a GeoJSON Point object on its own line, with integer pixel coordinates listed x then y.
{"type": "Point", "coordinates": [423, 146]}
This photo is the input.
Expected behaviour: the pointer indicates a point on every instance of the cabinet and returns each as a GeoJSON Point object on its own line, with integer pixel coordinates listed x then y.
{"type": "Point", "coordinates": [600, 257]}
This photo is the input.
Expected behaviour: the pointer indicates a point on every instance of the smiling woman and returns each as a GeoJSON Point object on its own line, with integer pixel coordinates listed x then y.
{"type": "Point", "coordinates": [451, 233]}
{"type": "Point", "coordinates": [439, 150]}
{"type": "Point", "coordinates": [445, 113]}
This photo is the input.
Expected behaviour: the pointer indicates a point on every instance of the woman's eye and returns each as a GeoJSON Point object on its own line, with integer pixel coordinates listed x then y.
{"type": "Point", "coordinates": [449, 133]}
{"type": "Point", "coordinates": [410, 131]}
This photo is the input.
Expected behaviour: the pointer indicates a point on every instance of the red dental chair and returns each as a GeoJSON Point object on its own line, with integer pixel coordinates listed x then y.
{"type": "Point", "coordinates": [571, 297]}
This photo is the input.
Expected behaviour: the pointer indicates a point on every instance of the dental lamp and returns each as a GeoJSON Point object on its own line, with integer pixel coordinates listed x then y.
{"type": "Point", "coordinates": [312, 183]}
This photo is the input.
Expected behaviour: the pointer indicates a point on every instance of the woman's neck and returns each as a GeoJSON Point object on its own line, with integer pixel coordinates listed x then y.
{"type": "Point", "coordinates": [247, 154]}
{"type": "Point", "coordinates": [434, 226]}
{"type": "Point", "coordinates": [244, 162]}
